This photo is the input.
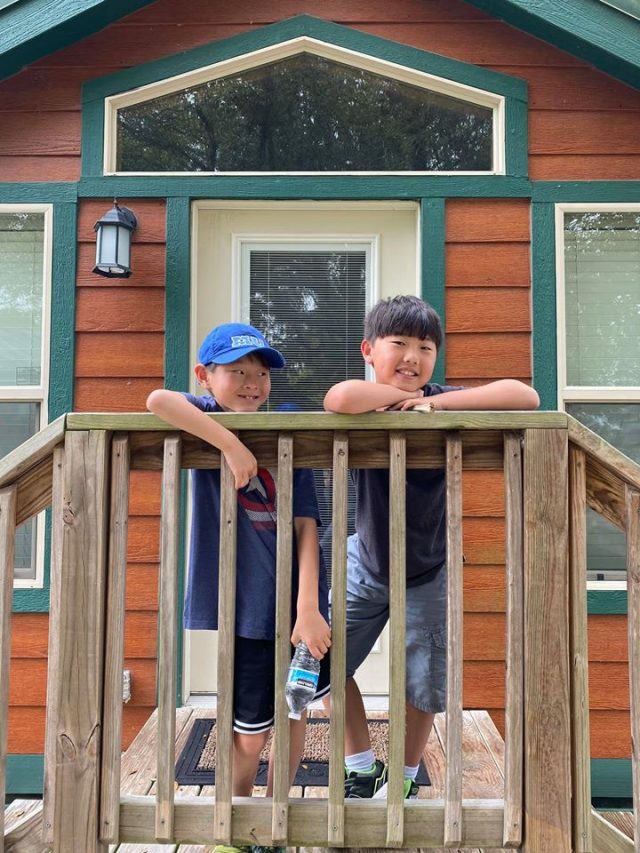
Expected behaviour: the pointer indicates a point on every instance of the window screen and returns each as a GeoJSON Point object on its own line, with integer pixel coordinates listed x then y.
{"type": "Point", "coordinates": [602, 306]}
{"type": "Point", "coordinates": [21, 309]}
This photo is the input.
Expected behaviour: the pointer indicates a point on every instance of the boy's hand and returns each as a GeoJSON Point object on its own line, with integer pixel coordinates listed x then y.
{"type": "Point", "coordinates": [312, 628]}
{"type": "Point", "coordinates": [242, 462]}
{"type": "Point", "coordinates": [405, 405]}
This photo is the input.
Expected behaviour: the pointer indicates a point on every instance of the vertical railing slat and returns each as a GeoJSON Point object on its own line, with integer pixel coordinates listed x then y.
{"type": "Point", "coordinates": [222, 817]}
{"type": "Point", "coordinates": [114, 640]}
{"type": "Point", "coordinates": [338, 637]}
{"type": "Point", "coordinates": [453, 777]}
{"type": "Point", "coordinates": [582, 836]}
{"type": "Point", "coordinates": [168, 638]}
{"type": "Point", "coordinates": [53, 667]}
{"type": "Point", "coordinates": [632, 512]}
{"type": "Point", "coordinates": [78, 694]}
{"type": "Point", "coordinates": [514, 716]}
{"type": "Point", "coordinates": [8, 504]}
{"type": "Point", "coordinates": [397, 644]}
{"type": "Point", "coordinates": [547, 729]}
{"type": "Point", "coordinates": [284, 550]}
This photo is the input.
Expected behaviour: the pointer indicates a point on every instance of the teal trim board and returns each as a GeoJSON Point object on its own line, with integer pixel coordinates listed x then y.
{"type": "Point", "coordinates": [176, 361]}
{"type": "Point", "coordinates": [61, 360]}
{"type": "Point", "coordinates": [39, 192]}
{"type": "Point", "coordinates": [594, 31]}
{"type": "Point", "coordinates": [32, 29]}
{"type": "Point", "coordinates": [279, 187]}
{"type": "Point", "coordinates": [611, 778]}
{"type": "Point", "coordinates": [25, 774]}
{"type": "Point", "coordinates": [607, 601]}
{"type": "Point", "coordinates": [589, 192]}
{"type": "Point", "coordinates": [543, 287]}
{"type": "Point", "coordinates": [432, 229]}
{"type": "Point", "coordinates": [512, 89]}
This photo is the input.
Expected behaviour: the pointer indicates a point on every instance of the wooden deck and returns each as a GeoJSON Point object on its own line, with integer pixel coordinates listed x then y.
{"type": "Point", "coordinates": [483, 751]}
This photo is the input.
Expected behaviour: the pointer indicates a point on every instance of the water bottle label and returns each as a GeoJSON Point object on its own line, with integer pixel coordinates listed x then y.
{"type": "Point", "coordinates": [304, 677]}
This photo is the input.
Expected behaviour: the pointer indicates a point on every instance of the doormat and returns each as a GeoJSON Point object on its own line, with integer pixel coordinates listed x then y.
{"type": "Point", "coordinates": [196, 764]}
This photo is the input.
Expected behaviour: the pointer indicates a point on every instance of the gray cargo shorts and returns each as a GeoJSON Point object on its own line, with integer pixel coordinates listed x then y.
{"type": "Point", "coordinates": [426, 629]}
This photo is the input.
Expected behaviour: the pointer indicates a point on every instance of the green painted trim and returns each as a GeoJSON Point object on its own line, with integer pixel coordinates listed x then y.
{"type": "Point", "coordinates": [25, 774]}
{"type": "Point", "coordinates": [607, 601]}
{"type": "Point", "coordinates": [317, 28]}
{"type": "Point", "coordinates": [432, 251]}
{"type": "Point", "coordinates": [176, 360]}
{"type": "Point", "coordinates": [543, 287]}
{"type": "Point", "coordinates": [611, 777]}
{"type": "Point", "coordinates": [516, 137]}
{"type": "Point", "coordinates": [32, 30]}
{"type": "Point", "coordinates": [61, 361]}
{"type": "Point", "coordinates": [38, 192]}
{"type": "Point", "coordinates": [586, 191]}
{"type": "Point", "coordinates": [512, 89]}
{"type": "Point", "coordinates": [591, 30]}
{"type": "Point", "coordinates": [279, 187]}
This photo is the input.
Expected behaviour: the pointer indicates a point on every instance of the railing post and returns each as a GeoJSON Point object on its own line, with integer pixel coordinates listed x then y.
{"type": "Point", "coordinates": [78, 697]}
{"type": "Point", "coordinates": [8, 502]}
{"type": "Point", "coordinates": [547, 688]}
{"type": "Point", "coordinates": [632, 519]}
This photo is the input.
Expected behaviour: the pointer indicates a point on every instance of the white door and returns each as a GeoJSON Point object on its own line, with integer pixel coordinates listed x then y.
{"type": "Point", "coordinates": [318, 266]}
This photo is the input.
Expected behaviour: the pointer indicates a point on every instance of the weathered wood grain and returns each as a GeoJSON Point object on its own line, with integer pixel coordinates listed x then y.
{"type": "Point", "coordinates": [339, 504]}
{"type": "Point", "coordinates": [580, 698]}
{"type": "Point", "coordinates": [284, 551]}
{"type": "Point", "coordinates": [514, 712]}
{"type": "Point", "coordinates": [453, 827]}
{"type": "Point", "coordinates": [32, 451]}
{"type": "Point", "coordinates": [78, 713]}
{"type": "Point", "coordinates": [632, 502]}
{"type": "Point", "coordinates": [397, 637]}
{"type": "Point", "coordinates": [547, 727]}
{"type": "Point", "coordinates": [8, 501]}
{"type": "Point", "coordinates": [114, 640]}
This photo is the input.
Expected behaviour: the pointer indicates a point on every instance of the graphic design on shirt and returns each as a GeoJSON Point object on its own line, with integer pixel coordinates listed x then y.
{"type": "Point", "coordinates": [258, 500]}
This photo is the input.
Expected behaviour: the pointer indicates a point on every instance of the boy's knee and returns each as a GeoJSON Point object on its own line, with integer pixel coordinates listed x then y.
{"type": "Point", "coordinates": [250, 745]}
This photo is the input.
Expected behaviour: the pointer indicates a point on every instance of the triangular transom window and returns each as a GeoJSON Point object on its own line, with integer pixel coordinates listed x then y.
{"type": "Point", "coordinates": [305, 107]}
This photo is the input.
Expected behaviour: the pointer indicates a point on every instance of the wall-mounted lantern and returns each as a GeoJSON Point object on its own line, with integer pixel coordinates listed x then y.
{"type": "Point", "coordinates": [113, 242]}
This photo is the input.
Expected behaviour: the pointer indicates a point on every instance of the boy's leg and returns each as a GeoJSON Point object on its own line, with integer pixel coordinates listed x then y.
{"type": "Point", "coordinates": [356, 728]}
{"type": "Point", "coordinates": [246, 757]}
{"type": "Point", "coordinates": [419, 725]}
{"type": "Point", "coordinates": [297, 730]}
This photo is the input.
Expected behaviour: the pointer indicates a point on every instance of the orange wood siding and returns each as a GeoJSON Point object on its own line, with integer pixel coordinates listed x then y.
{"type": "Point", "coordinates": [582, 122]}
{"type": "Point", "coordinates": [581, 126]}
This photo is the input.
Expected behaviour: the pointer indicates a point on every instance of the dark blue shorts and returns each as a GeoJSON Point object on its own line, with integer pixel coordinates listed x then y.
{"type": "Point", "coordinates": [253, 692]}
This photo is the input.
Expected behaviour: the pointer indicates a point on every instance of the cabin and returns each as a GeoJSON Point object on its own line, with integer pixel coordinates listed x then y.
{"type": "Point", "coordinates": [287, 164]}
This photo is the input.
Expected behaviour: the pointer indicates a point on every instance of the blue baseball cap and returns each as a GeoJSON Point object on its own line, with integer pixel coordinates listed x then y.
{"type": "Point", "coordinates": [231, 341]}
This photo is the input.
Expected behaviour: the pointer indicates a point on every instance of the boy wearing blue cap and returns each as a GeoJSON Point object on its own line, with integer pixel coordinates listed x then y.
{"type": "Point", "coordinates": [233, 366]}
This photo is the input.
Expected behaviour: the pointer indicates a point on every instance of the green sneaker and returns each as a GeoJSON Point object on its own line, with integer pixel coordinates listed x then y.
{"type": "Point", "coordinates": [258, 849]}
{"type": "Point", "coordinates": [410, 791]}
{"type": "Point", "coordinates": [363, 785]}
{"type": "Point", "coordinates": [224, 848]}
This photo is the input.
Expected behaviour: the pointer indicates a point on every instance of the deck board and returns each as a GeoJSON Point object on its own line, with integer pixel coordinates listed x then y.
{"type": "Point", "coordinates": [483, 756]}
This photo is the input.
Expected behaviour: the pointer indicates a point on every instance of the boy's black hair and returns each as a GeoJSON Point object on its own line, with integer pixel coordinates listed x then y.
{"type": "Point", "coordinates": [403, 315]}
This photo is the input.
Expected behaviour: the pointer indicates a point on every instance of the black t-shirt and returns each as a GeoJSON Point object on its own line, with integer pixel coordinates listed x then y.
{"type": "Point", "coordinates": [426, 516]}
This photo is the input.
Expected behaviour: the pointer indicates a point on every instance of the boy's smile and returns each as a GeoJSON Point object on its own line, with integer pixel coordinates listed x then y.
{"type": "Point", "coordinates": [242, 386]}
{"type": "Point", "coordinates": [402, 361]}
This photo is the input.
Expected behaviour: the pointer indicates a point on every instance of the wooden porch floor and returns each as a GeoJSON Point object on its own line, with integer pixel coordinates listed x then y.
{"type": "Point", "coordinates": [483, 752]}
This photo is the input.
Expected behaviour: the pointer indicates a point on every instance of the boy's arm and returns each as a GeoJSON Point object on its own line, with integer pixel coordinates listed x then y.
{"type": "Point", "coordinates": [355, 396]}
{"type": "Point", "coordinates": [179, 412]}
{"type": "Point", "coordinates": [311, 626]}
{"type": "Point", "coordinates": [505, 394]}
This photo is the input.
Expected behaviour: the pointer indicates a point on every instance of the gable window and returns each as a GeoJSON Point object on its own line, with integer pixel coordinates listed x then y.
{"type": "Point", "coordinates": [599, 306]}
{"type": "Point", "coordinates": [305, 107]}
{"type": "Point", "coordinates": [24, 273]}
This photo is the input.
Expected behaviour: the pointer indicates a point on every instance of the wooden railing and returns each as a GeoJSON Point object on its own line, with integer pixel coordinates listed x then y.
{"type": "Point", "coordinates": [553, 467]}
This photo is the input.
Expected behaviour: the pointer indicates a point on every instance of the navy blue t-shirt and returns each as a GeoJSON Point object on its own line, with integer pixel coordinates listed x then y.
{"type": "Point", "coordinates": [256, 549]}
{"type": "Point", "coordinates": [426, 522]}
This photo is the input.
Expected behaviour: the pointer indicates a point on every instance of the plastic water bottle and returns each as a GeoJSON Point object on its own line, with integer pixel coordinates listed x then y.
{"type": "Point", "coordinates": [302, 680]}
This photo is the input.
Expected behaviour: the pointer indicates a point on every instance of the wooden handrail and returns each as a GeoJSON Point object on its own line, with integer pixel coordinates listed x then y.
{"type": "Point", "coordinates": [596, 475]}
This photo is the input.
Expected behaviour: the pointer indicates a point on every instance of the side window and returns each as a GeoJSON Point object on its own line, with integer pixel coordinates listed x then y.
{"type": "Point", "coordinates": [599, 379]}
{"type": "Point", "coordinates": [24, 275]}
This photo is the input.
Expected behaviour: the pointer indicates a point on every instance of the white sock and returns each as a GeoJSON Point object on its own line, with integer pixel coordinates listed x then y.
{"type": "Point", "coordinates": [411, 772]}
{"type": "Point", "coordinates": [361, 761]}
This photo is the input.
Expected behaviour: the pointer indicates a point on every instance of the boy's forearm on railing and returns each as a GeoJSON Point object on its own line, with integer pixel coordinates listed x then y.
{"type": "Point", "coordinates": [504, 394]}
{"type": "Point", "coordinates": [356, 396]}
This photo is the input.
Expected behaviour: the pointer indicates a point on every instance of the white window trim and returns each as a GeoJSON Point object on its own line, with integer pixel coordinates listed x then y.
{"type": "Point", "coordinates": [293, 47]}
{"type": "Point", "coordinates": [36, 393]}
{"type": "Point", "coordinates": [586, 393]}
